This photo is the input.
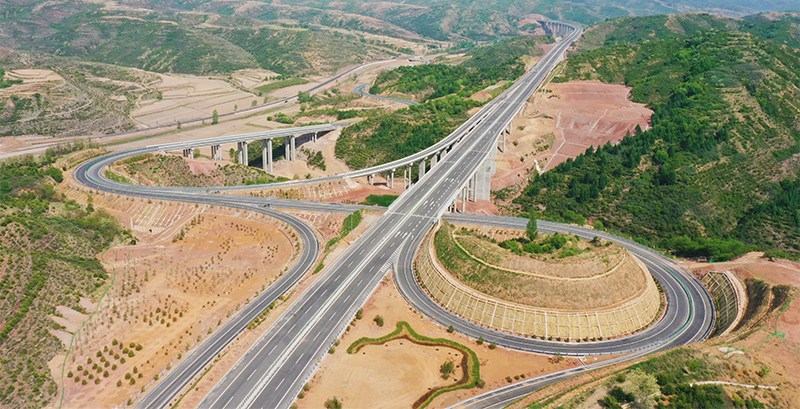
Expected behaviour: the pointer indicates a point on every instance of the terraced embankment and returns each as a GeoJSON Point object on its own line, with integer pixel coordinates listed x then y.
{"type": "Point", "coordinates": [595, 297]}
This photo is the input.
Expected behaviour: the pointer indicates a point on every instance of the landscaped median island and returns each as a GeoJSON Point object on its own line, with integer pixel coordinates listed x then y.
{"type": "Point", "coordinates": [469, 362]}
{"type": "Point", "coordinates": [556, 287]}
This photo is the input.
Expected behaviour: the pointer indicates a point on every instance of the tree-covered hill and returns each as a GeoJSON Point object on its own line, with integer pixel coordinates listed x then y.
{"type": "Point", "coordinates": [445, 92]}
{"type": "Point", "coordinates": [783, 28]}
{"type": "Point", "coordinates": [47, 259]}
{"type": "Point", "coordinates": [720, 162]}
{"type": "Point", "coordinates": [164, 40]}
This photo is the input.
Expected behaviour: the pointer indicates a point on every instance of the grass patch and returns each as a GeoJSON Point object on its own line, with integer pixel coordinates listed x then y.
{"type": "Point", "coordinates": [350, 223]}
{"type": "Point", "coordinates": [379, 200]}
{"type": "Point", "coordinates": [272, 86]}
{"type": "Point", "coordinates": [116, 177]}
{"type": "Point", "coordinates": [470, 361]}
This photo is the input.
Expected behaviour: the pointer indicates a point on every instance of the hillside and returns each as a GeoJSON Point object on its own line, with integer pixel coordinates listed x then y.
{"type": "Point", "coordinates": [445, 92]}
{"type": "Point", "coordinates": [471, 19]}
{"type": "Point", "coordinates": [47, 267]}
{"type": "Point", "coordinates": [165, 40]}
{"type": "Point", "coordinates": [69, 98]}
{"type": "Point", "coordinates": [782, 28]}
{"type": "Point", "coordinates": [720, 162]}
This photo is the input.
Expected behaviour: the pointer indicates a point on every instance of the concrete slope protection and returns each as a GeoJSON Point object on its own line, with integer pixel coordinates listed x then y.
{"type": "Point", "coordinates": [274, 370]}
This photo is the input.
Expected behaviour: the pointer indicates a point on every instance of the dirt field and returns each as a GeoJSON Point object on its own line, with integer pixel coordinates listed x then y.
{"type": "Point", "coordinates": [562, 123]}
{"type": "Point", "coordinates": [395, 375]}
{"type": "Point", "coordinates": [185, 97]}
{"type": "Point", "coordinates": [237, 349]}
{"type": "Point", "coordinates": [168, 292]}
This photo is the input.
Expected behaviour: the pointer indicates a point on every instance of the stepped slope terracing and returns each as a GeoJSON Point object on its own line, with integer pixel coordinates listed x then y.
{"type": "Point", "coordinates": [583, 291]}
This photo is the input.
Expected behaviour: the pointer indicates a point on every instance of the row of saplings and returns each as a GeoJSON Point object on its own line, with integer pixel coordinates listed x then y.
{"type": "Point", "coordinates": [84, 375]}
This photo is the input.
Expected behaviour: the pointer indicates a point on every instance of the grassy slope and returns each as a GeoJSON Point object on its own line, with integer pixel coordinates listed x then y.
{"type": "Point", "coordinates": [445, 90]}
{"type": "Point", "coordinates": [192, 43]}
{"type": "Point", "coordinates": [81, 105]}
{"type": "Point", "coordinates": [47, 250]}
{"type": "Point", "coordinates": [782, 28]}
{"type": "Point", "coordinates": [723, 143]}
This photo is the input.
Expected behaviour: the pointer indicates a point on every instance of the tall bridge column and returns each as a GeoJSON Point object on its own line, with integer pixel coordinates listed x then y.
{"type": "Point", "coordinates": [266, 155]}
{"type": "Point", "coordinates": [421, 168]}
{"type": "Point", "coordinates": [434, 159]}
{"type": "Point", "coordinates": [483, 177]}
{"type": "Point", "coordinates": [293, 151]}
{"type": "Point", "coordinates": [239, 157]}
{"type": "Point", "coordinates": [391, 179]}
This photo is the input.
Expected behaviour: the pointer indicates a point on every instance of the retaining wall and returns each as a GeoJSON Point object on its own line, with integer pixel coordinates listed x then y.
{"type": "Point", "coordinates": [625, 318]}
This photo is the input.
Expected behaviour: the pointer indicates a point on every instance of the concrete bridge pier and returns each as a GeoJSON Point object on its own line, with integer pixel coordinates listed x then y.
{"type": "Point", "coordinates": [242, 152]}
{"type": "Point", "coordinates": [434, 159]}
{"type": "Point", "coordinates": [216, 152]}
{"type": "Point", "coordinates": [266, 155]}
{"type": "Point", "coordinates": [391, 179]}
{"type": "Point", "coordinates": [483, 177]}
{"type": "Point", "coordinates": [421, 168]}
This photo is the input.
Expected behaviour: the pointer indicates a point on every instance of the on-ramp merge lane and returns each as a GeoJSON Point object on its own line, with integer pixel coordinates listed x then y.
{"type": "Point", "coordinates": [276, 367]}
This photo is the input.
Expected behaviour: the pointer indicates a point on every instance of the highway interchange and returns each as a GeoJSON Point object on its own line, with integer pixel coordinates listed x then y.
{"type": "Point", "coordinates": [274, 370]}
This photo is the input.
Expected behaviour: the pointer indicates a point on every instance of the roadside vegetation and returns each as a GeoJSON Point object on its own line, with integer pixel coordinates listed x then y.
{"type": "Point", "coordinates": [469, 362]}
{"type": "Point", "coordinates": [445, 92]}
{"type": "Point", "coordinates": [47, 259]}
{"type": "Point", "coordinates": [716, 175]}
{"type": "Point", "coordinates": [172, 170]}
{"type": "Point", "coordinates": [668, 381]}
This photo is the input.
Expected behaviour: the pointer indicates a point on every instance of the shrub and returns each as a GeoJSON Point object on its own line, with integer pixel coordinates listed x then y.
{"type": "Point", "coordinates": [69, 374]}
{"type": "Point", "coordinates": [493, 345]}
{"type": "Point", "coordinates": [451, 329]}
{"type": "Point", "coordinates": [480, 341]}
{"type": "Point", "coordinates": [360, 313]}
{"type": "Point", "coordinates": [333, 403]}
{"type": "Point", "coordinates": [446, 369]}
{"type": "Point", "coordinates": [119, 383]}
{"type": "Point", "coordinates": [378, 320]}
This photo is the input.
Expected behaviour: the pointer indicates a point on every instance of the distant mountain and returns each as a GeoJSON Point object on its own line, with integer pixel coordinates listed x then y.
{"type": "Point", "coordinates": [169, 40]}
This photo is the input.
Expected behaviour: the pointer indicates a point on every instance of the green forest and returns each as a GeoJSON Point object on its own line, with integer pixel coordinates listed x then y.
{"type": "Point", "coordinates": [716, 175]}
{"type": "Point", "coordinates": [47, 258]}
